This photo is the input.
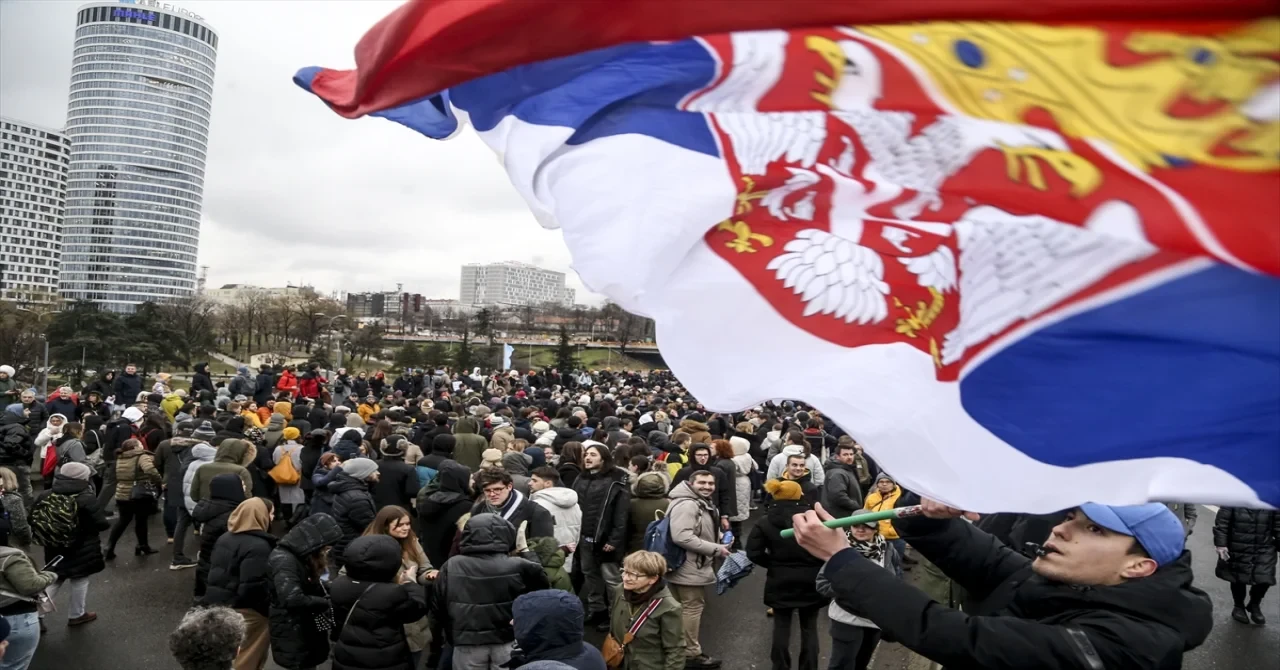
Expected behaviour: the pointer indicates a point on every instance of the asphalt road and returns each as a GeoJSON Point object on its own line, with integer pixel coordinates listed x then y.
{"type": "Point", "coordinates": [138, 601]}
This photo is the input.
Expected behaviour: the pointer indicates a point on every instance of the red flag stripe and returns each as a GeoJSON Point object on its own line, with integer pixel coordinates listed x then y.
{"type": "Point", "coordinates": [426, 46]}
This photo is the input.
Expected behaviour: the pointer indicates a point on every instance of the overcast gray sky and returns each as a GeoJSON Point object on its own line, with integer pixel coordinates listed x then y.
{"type": "Point", "coordinates": [293, 192]}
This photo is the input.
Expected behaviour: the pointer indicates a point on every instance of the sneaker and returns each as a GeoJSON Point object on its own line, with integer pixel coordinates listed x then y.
{"type": "Point", "coordinates": [702, 662]}
{"type": "Point", "coordinates": [182, 564]}
{"type": "Point", "coordinates": [83, 619]}
{"type": "Point", "coordinates": [768, 612]}
{"type": "Point", "coordinates": [168, 540]}
{"type": "Point", "coordinates": [1255, 613]}
{"type": "Point", "coordinates": [603, 626]}
{"type": "Point", "coordinates": [1239, 614]}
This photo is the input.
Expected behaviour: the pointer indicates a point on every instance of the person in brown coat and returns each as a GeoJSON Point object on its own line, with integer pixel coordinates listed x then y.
{"type": "Point", "coordinates": [134, 464]}
{"type": "Point", "coordinates": [695, 425]}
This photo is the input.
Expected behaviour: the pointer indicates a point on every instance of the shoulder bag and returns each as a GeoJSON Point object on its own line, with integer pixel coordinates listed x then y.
{"type": "Point", "coordinates": [143, 488]}
{"type": "Point", "coordinates": [613, 652]}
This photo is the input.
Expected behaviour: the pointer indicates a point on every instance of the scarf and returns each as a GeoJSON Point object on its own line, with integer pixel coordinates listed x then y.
{"type": "Point", "coordinates": [509, 508]}
{"type": "Point", "coordinates": [872, 550]}
{"type": "Point", "coordinates": [638, 598]}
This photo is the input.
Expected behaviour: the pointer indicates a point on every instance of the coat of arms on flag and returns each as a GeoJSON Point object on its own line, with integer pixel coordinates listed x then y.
{"type": "Point", "coordinates": [1047, 246]}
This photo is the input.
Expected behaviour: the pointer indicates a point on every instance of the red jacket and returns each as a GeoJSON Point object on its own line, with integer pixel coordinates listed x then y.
{"type": "Point", "coordinates": [309, 385]}
{"type": "Point", "coordinates": [288, 382]}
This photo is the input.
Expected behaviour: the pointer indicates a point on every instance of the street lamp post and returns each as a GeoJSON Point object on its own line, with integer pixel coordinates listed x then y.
{"type": "Point", "coordinates": [44, 386]}
{"type": "Point", "coordinates": [329, 327]}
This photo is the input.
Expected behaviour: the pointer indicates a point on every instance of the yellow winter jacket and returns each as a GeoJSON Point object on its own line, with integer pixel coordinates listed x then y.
{"type": "Point", "coordinates": [171, 404]}
{"type": "Point", "coordinates": [877, 502]}
{"type": "Point", "coordinates": [252, 419]}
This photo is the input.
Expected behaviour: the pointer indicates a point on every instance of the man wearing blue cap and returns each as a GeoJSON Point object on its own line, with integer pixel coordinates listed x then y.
{"type": "Point", "coordinates": [1111, 589]}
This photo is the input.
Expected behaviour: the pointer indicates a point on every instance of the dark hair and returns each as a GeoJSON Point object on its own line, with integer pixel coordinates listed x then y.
{"type": "Point", "coordinates": [815, 423]}
{"type": "Point", "coordinates": [93, 421]}
{"type": "Point", "coordinates": [488, 476]}
{"type": "Point", "coordinates": [381, 431]}
{"type": "Point", "coordinates": [796, 437]}
{"type": "Point", "coordinates": [571, 452]}
{"type": "Point", "coordinates": [548, 473]}
{"type": "Point", "coordinates": [641, 463]}
{"type": "Point", "coordinates": [606, 456]}
{"type": "Point", "coordinates": [701, 473]}
{"type": "Point", "coordinates": [681, 438]}
{"type": "Point", "coordinates": [573, 422]}
{"type": "Point", "coordinates": [846, 446]}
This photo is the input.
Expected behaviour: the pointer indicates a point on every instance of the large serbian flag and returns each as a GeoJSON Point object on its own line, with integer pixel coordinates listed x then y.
{"type": "Point", "coordinates": [1025, 252]}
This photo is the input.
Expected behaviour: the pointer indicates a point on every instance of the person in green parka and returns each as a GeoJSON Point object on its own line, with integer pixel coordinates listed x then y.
{"type": "Point", "coordinates": [552, 558]}
{"type": "Point", "coordinates": [658, 643]}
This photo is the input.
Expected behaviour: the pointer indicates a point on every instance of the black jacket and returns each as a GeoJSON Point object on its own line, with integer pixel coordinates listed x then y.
{"type": "Point", "coordinates": [476, 588]}
{"type": "Point", "coordinates": [17, 444]}
{"type": "Point", "coordinates": [569, 473]}
{"type": "Point", "coordinates": [353, 508]}
{"type": "Point", "coordinates": [297, 596]}
{"type": "Point", "coordinates": [126, 389]}
{"type": "Point", "coordinates": [397, 483]}
{"type": "Point", "coordinates": [792, 570]}
{"type": "Point", "coordinates": [83, 557]}
{"type": "Point", "coordinates": [373, 637]}
{"type": "Point", "coordinates": [841, 494]}
{"type": "Point", "coordinates": [1251, 537]}
{"type": "Point", "coordinates": [201, 381]}
{"type": "Point", "coordinates": [238, 571]}
{"type": "Point", "coordinates": [225, 493]}
{"type": "Point", "coordinates": [116, 432]}
{"type": "Point", "coordinates": [566, 435]}
{"type": "Point", "coordinates": [440, 510]}
{"type": "Point", "coordinates": [541, 523]}
{"type": "Point", "coordinates": [605, 502]}
{"type": "Point", "coordinates": [263, 385]}
{"type": "Point", "coordinates": [1023, 620]}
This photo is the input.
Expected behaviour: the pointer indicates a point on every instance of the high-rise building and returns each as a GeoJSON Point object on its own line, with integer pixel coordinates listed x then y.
{"type": "Point", "coordinates": [138, 119]}
{"type": "Point", "coordinates": [511, 283]}
{"type": "Point", "coordinates": [33, 192]}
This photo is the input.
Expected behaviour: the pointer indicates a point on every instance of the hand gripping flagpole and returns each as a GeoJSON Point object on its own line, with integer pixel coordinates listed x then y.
{"type": "Point", "coordinates": [897, 513]}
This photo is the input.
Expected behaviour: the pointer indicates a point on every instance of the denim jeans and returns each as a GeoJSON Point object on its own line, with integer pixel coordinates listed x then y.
{"type": "Point", "coordinates": [24, 637]}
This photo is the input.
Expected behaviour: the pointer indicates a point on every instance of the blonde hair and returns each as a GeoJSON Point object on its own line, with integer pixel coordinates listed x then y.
{"type": "Point", "coordinates": [647, 563]}
{"type": "Point", "coordinates": [8, 479]}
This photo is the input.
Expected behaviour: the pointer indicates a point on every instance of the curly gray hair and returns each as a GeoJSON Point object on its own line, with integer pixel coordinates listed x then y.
{"type": "Point", "coordinates": [207, 638]}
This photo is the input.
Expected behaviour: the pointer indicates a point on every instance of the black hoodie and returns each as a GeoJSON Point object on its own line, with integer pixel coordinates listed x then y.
{"type": "Point", "coordinates": [440, 510]}
{"type": "Point", "coordinates": [226, 491]}
{"type": "Point", "coordinates": [372, 636]}
{"type": "Point", "coordinates": [201, 381]}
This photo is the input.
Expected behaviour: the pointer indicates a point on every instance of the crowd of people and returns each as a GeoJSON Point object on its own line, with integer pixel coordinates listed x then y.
{"type": "Point", "coordinates": [464, 520]}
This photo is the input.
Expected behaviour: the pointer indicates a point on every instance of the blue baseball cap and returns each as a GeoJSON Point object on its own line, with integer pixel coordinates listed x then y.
{"type": "Point", "coordinates": [1152, 525]}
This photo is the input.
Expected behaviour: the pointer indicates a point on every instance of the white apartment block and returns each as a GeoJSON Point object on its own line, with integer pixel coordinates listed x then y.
{"type": "Point", "coordinates": [33, 195]}
{"type": "Point", "coordinates": [232, 294]}
{"type": "Point", "coordinates": [510, 283]}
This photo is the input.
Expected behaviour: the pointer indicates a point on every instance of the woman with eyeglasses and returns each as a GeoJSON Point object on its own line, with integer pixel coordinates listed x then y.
{"type": "Point", "coordinates": [658, 643]}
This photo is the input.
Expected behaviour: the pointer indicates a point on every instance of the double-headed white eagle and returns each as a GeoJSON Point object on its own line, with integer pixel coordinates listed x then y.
{"type": "Point", "coordinates": [1010, 267]}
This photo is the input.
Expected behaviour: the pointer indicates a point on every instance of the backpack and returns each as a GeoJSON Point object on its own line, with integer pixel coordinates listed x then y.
{"type": "Point", "coordinates": [93, 458]}
{"type": "Point", "coordinates": [657, 538]}
{"type": "Point", "coordinates": [284, 473]}
{"type": "Point", "coordinates": [53, 520]}
{"type": "Point", "coordinates": [426, 490]}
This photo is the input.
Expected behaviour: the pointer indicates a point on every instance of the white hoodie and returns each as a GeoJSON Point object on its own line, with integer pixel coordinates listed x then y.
{"type": "Point", "coordinates": [202, 453]}
{"type": "Point", "coordinates": [562, 503]}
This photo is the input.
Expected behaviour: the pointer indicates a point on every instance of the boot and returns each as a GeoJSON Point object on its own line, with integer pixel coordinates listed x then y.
{"type": "Point", "coordinates": [1238, 613]}
{"type": "Point", "coordinates": [1255, 613]}
{"type": "Point", "coordinates": [145, 551]}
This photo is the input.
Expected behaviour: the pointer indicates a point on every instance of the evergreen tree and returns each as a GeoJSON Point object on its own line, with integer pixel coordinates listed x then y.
{"type": "Point", "coordinates": [462, 357]}
{"type": "Point", "coordinates": [566, 352]}
{"type": "Point", "coordinates": [409, 356]}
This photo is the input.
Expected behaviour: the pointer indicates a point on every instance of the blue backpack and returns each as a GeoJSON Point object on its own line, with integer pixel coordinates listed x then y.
{"type": "Point", "coordinates": [657, 538]}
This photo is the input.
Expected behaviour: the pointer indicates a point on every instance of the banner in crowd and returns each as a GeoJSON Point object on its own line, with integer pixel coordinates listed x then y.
{"type": "Point", "coordinates": [1025, 264]}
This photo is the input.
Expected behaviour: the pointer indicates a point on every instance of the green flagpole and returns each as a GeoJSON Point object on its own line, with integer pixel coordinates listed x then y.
{"type": "Point", "coordinates": [868, 517]}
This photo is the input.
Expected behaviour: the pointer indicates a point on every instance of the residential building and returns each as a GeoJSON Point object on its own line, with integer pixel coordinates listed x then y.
{"type": "Point", "coordinates": [138, 118]}
{"type": "Point", "coordinates": [33, 192]}
{"type": "Point", "coordinates": [510, 284]}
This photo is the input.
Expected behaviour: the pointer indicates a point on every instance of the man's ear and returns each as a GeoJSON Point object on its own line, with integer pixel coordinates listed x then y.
{"type": "Point", "coordinates": [1137, 567]}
